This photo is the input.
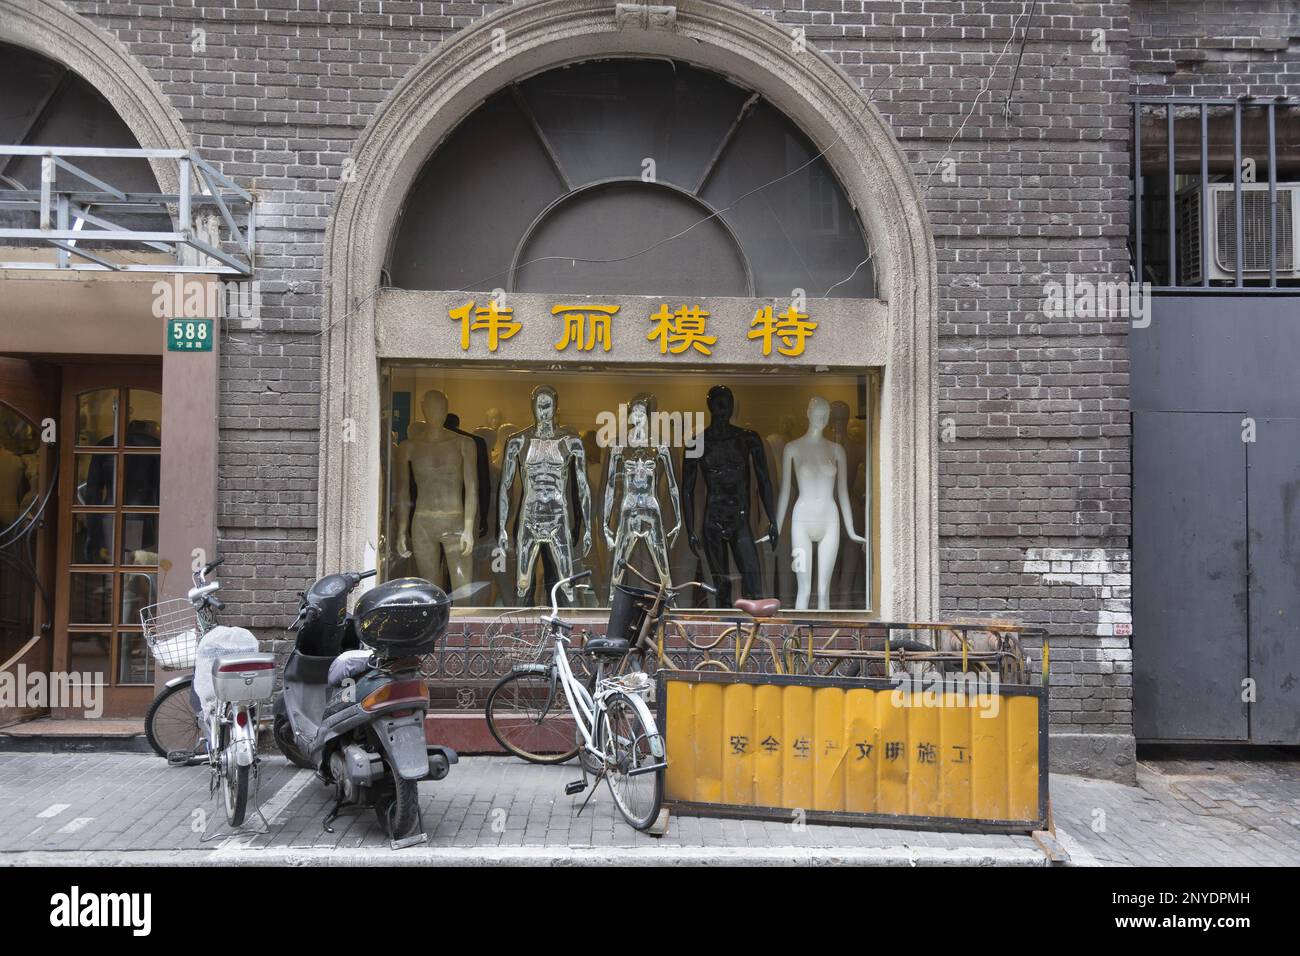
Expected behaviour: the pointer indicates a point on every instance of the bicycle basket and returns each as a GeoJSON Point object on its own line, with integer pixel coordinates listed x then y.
{"type": "Point", "coordinates": [627, 611]}
{"type": "Point", "coordinates": [515, 638]}
{"type": "Point", "coordinates": [171, 631]}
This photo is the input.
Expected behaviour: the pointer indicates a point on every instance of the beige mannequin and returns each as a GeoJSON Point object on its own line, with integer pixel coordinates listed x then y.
{"type": "Point", "coordinates": [445, 467]}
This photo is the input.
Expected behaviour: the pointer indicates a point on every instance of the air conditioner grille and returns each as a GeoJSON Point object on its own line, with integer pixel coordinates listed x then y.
{"type": "Point", "coordinates": [1254, 222]}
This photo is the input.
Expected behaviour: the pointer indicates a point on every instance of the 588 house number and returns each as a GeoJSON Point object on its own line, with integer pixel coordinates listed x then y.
{"type": "Point", "coordinates": [189, 335]}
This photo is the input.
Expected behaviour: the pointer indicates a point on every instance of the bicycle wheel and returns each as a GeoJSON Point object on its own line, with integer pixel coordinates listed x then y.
{"type": "Point", "coordinates": [170, 725]}
{"type": "Point", "coordinates": [627, 740]}
{"type": "Point", "coordinates": [235, 779]}
{"type": "Point", "coordinates": [528, 714]}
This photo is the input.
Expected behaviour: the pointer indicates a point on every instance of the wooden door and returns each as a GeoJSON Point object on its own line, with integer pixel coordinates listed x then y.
{"type": "Point", "coordinates": [110, 460]}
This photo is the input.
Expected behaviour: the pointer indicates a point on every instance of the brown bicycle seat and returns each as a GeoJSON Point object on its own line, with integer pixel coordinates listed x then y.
{"type": "Point", "coordinates": [764, 607]}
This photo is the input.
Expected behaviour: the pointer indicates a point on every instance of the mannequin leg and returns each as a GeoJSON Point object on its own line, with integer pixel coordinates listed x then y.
{"type": "Point", "coordinates": [801, 552]}
{"type": "Point", "coordinates": [526, 549]}
{"type": "Point", "coordinates": [427, 548]}
{"type": "Point", "coordinates": [622, 551]}
{"type": "Point", "coordinates": [460, 567]}
{"type": "Point", "coordinates": [561, 547]}
{"type": "Point", "coordinates": [658, 549]}
{"type": "Point", "coordinates": [827, 551]}
{"type": "Point", "coordinates": [715, 554]}
{"type": "Point", "coordinates": [746, 554]}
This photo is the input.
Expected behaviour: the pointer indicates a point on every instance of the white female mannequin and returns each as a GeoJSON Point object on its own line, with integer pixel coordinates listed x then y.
{"type": "Point", "coordinates": [821, 468]}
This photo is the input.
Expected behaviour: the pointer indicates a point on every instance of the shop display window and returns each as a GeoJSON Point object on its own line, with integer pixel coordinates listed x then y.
{"type": "Point", "coordinates": [634, 450]}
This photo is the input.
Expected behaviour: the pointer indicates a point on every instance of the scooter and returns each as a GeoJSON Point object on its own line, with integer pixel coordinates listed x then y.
{"type": "Point", "coordinates": [353, 702]}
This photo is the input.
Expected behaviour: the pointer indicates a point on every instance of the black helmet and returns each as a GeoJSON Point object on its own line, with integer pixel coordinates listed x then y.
{"type": "Point", "coordinates": [405, 616]}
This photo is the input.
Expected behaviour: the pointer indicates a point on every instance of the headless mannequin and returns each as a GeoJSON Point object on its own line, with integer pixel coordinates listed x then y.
{"type": "Point", "coordinates": [544, 452]}
{"type": "Point", "coordinates": [729, 453]}
{"type": "Point", "coordinates": [445, 467]}
{"type": "Point", "coordinates": [820, 466]}
{"type": "Point", "coordinates": [637, 467]}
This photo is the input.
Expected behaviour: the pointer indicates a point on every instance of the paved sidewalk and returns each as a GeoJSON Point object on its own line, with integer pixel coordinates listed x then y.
{"type": "Point", "coordinates": [112, 808]}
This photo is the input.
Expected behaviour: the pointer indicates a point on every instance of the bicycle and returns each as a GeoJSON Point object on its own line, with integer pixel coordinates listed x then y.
{"type": "Point", "coordinates": [231, 676]}
{"type": "Point", "coordinates": [614, 730]}
{"type": "Point", "coordinates": [173, 629]}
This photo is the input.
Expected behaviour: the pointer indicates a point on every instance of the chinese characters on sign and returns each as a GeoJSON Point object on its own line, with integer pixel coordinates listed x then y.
{"type": "Point", "coordinates": [926, 753]}
{"type": "Point", "coordinates": [676, 330]}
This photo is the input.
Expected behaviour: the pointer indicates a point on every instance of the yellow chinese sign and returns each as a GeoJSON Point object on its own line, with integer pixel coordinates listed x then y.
{"type": "Point", "coordinates": [681, 330]}
{"type": "Point", "coordinates": [495, 321]}
{"type": "Point", "coordinates": [791, 327]}
{"type": "Point", "coordinates": [676, 330]}
{"type": "Point", "coordinates": [585, 326]}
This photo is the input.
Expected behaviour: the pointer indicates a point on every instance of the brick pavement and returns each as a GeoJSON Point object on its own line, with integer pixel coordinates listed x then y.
{"type": "Point", "coordinates": [116, 806]}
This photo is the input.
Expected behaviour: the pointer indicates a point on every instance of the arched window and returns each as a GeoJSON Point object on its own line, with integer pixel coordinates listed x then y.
{"type": "Point", "coordinates": [633, 177]}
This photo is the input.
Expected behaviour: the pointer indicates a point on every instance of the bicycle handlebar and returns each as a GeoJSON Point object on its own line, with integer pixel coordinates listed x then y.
{"type": "Point", "coordinates": [555, 591]}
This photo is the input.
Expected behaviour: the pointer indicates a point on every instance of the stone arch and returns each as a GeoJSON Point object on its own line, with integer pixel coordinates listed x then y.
{"type": "Point", "coordinates": [719, 35]}
{"type": "Point", "coordinates": [53, 30]}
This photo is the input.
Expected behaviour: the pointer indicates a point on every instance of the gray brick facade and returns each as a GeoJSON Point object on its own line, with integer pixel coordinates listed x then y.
{"type": "Point", "coordinates": [1023, 154]}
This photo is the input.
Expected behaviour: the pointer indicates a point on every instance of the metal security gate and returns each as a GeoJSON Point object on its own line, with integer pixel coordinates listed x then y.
{"type": "Point", "coordinates": [1189, 572]}
{"type": "Point", "coordinates": [1216, 575]}
{"type": "Point", "coordinates": [1273, 494]}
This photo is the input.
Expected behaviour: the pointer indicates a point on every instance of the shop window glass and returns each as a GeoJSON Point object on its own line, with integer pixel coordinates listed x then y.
{"type": "Point", "coordinates": [809, 431]}
{"type": "Point", "coordinates": [88, 654]}
{"type": "Point", "coordinates": [97, 417]}
{"type": "Point", "coordinates": [143, 418]}
{"type": "Point", "coordinates": [96, 478]}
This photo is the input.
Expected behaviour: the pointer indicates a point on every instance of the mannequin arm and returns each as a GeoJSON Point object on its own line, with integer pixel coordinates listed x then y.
{"type": "Point", "coordinates": [611, 491]}
{"type": "Point", "coordinates": [469, 472]}
{"type": "Point", "coordinates": [842, 492]}
{"type": "Point", "coordinates": [402, 477]}
{"type": "Point", "coordinates": [584, 490]}
{"type": "Point", "coordinates": [503, 498]}
{"type": "Point", "coordinates": [759, 458]}
{"type": "Point", "coordinates": [666, 457]}
{"type": "Point", "coordinates": [690, 470]}
{"type": "Point", "coordinates": [783, 499]}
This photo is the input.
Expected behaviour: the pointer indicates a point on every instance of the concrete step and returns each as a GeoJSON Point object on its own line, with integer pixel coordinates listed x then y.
{"type": "Point", "coordinates": [50, 735]}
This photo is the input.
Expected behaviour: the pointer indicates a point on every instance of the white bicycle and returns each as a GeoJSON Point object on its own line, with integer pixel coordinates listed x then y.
{"type": "Point", "coordinates": [539, 711]}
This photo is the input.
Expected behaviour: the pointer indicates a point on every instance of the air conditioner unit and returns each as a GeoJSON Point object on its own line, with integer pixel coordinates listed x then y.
{"type": "Point", "coordinates": [1219, 208]}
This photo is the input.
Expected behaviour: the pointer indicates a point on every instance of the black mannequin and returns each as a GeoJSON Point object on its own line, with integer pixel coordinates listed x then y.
{"type": "Point", "coordinates": [729, 452]}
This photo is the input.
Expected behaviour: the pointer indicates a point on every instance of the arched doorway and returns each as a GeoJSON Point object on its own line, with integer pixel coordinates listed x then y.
{"type": "Point", "coordinates": [755, 54]}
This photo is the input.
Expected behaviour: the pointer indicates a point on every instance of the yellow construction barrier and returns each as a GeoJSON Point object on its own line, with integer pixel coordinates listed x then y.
{"type": "Point", "coordinates": [851, 750]}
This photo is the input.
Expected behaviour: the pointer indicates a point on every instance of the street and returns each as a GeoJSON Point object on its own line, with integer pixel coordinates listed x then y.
{"type": "Point", "coordinates": [116, 808]}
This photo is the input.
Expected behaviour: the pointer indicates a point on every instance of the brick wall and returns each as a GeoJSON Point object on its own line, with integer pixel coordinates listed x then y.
{"type": "Point", "coordinates": [1193, 48]}
{"type": "Point", "coordinates": [1036, 409]}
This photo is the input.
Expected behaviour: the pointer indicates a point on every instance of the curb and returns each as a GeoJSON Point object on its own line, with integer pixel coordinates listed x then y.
{"type": "Point", "coordinates": [797, 856]}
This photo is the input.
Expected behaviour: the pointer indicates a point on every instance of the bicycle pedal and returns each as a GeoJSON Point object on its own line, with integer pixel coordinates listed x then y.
{"type": "Point", "coordinates": [576, 787]}
{"type": "Point", "coordinates": [179, 758]}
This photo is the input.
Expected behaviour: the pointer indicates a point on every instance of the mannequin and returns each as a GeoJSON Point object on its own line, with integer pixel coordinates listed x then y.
{"type": "Point", "coordinates": [728, 456]}
{"type": "Point", "coordinates": [444, 465]}
{"type": "Point", "coordinates": [488, 430]}
{"type": "Point", "coordinates": [850, 576]}
{"type": "Point", "coordinates": [483, 470]}
{"type": "Point", "coordinates": [546, 453]}
{"type": "Point", "coordinates": [820, 466]}
{"type": "Point", "coordinates": [637, 466]}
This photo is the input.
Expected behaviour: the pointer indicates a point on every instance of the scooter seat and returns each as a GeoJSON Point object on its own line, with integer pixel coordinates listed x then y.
{"type": "Point", "coordinates": [348, 665]}
{"type": "Point", "coordinates": [607, 646]}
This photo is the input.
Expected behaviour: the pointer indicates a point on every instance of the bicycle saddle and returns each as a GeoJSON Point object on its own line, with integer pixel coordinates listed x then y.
{"type": "Point", "coordinates": [607, 645]}
{"type": "Point", "coordinates": [764, 607]}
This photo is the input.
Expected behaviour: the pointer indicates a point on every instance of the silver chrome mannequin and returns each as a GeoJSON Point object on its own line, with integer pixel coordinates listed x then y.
{"type": "Point", "coordinates": [545, 451]}
{"type": "Point", "coordinates": [820, 465]}
{"type": "Point", "coordinates": [636, 465]}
